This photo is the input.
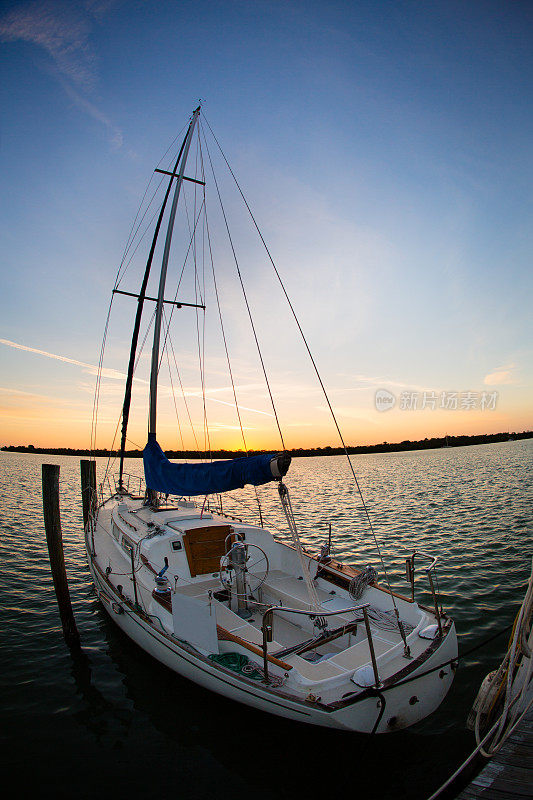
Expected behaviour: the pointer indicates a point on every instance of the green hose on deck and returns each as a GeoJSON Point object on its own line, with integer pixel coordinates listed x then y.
{"type": "Point", "coordinates": [237, 663]}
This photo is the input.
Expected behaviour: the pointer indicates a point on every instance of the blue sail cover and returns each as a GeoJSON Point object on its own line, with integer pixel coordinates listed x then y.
{"type": "Point", "coordinates": [190, 479]}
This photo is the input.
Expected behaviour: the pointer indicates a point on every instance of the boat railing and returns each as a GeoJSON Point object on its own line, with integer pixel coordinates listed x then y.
{"type": "Point", "coordinates": [431, 573]}
{"type": "Point", "coordinates": [131, 484]}
{"type": "Point", "coordinates": [105, 486]}
{"type": "Point", "coordinates": [267, 629]}
{"type": "Point", "coordinates": [135, 481]}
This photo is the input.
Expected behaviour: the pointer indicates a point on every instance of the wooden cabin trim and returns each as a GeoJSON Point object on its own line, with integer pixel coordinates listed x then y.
{"type": "Point", "coordinates": [205, 547]}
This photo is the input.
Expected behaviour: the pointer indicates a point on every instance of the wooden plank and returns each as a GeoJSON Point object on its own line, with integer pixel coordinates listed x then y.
{"type": "Point", "coordinates": [509, 774]}
{"type": "Point", "coordinates": [226, 636]}
{"type": "Point", "coordinates": [210, 533]}
{"type": "Point", "coordinates": [147, 564]}
{"type": "Point", "coordinates": [505, 774]}
{"type": "Point", "coordinates": [205, 547]}
{"type": "Point", "coordinates": [516, 760]}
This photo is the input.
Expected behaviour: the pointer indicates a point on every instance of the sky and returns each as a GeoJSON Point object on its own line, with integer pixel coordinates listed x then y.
{"type": "Point", "coordinates": [386, 151]}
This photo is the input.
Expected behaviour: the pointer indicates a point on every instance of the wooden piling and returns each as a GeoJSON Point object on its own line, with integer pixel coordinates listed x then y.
{"type": "Point", "coordinates": [88, 489]}
{"type": "Point", "coordinates": [54, 540]}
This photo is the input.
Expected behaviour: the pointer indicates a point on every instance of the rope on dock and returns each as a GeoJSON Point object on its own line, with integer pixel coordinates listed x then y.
{"type": "Point", "coordinates": [474, 753]}
{"type": "Point", "coordinates": [511, 680]}
{"type": "Point", "coordinates": [503, 681]}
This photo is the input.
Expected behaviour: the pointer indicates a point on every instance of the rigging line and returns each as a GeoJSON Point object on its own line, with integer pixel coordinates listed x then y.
{"type": "Point", "coordinates": [94, 420]}
{"type": "Point", "coordinates": [200, 342]}
{"type": "Point", "coordinates": [202, 173]}
{"type": "Point", "coordinates": [121, 273]}
{"type": "Point", "coordinates": [112, 458]}
{"type": "Point", "coordinates": [201, 366]}
{"type": "Point", "coordinates": [193, 242]}
{"type": "Point", "coordinates": [193, 234]}
{"type": "Point", "coordinates": [195, 196]}
{"type": "Point", "coordinates": [200, 363]}
{"type": "Point", "coordinates": [138, 446]}
{"type": "Point", "coordinates": [175, 402]}
{"type": "Point", "coordinates": [139, 352]}
{"type": "Point", "coordinates": [187, 212]}
{"type": "Point", "coordinates": [177, 290]}
{"type": "Point", "coordinates": [205, 407]}
{"type": "Point", "coordinates": [201, 288]}
{"type": "Point", "coordinates": [171, 145]}
{"type": "Point", "coordinates": [133, 229]}
{"type": "Point", "coordinates": [132, 234]}
{"type": "Point", "coordinates": [99, 377]}
{"type": "Point", "coordinates": [245, 297]}
{"type": "Point", "coordinates": [215, 285]}
{"type": "Point", "coordinates": [206, 230]}
{"type": "Point", "coordinates": [182, 390]}
{"type": "Point", "coordinates": [313, 362]}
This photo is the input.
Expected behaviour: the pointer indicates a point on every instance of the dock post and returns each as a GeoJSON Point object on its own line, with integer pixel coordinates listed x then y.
{"type": "Point", "coordinates": [54, 540]}
{"type": "Point", "coordinates": [88, 489]}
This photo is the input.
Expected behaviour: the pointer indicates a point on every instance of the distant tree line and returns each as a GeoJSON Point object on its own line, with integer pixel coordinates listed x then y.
{"type": "Point", "coordinates": [298, 452]}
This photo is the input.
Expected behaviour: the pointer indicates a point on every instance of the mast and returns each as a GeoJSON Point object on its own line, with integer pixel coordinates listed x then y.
{"type": "Point", "coordinates": [162, 280]}
{"type": "Point", "coordinates": [138, 316]}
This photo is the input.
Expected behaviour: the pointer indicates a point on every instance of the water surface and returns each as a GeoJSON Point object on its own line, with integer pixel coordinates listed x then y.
{"type": "Point", "coordinates": [115, 723]}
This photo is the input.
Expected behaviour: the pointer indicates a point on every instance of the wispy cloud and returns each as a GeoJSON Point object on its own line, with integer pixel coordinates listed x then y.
{"type": "Point", "coordinates": [215, 426]}
{"type": "Point", "coordinates": [93, 111]}
{"type": "Point", "coordinates": [501, 375]}
{"type": "Point", "coordinates": [63, 30]}
{"type": "Point", "coordinates": [19, 397]}
{"type": "Point", "coordinates": [377, 381]}
{"type": "Point", "coordinates": [232, 405]}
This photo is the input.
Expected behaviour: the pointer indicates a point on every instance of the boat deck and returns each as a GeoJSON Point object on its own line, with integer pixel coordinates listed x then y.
{"type": "Point", "coordinates": [335, 659]}
{"type": "Point", "coordinates": [509, 774]}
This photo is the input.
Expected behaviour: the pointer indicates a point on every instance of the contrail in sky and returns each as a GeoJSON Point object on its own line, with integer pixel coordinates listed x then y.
{"type": "Point", "coordinates": [108, 373]}
{"type": "Point", "coordinates": [115, 374]}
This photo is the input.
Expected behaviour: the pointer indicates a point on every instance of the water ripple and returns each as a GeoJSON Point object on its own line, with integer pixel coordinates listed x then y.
{"type": "Point", "coordinates": [472, 506]}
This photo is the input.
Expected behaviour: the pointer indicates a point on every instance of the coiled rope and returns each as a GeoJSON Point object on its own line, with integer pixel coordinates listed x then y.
{"type": "Point", "coordinates": [360, 582]}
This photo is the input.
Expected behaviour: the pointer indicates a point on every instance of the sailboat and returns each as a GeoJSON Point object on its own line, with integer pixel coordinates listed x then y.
{"type": "Point", "coordinates": [257, 618]}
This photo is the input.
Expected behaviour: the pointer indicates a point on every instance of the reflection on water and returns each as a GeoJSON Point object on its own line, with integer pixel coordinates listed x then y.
{"type": "Point", "coordinates": [111, 722]}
